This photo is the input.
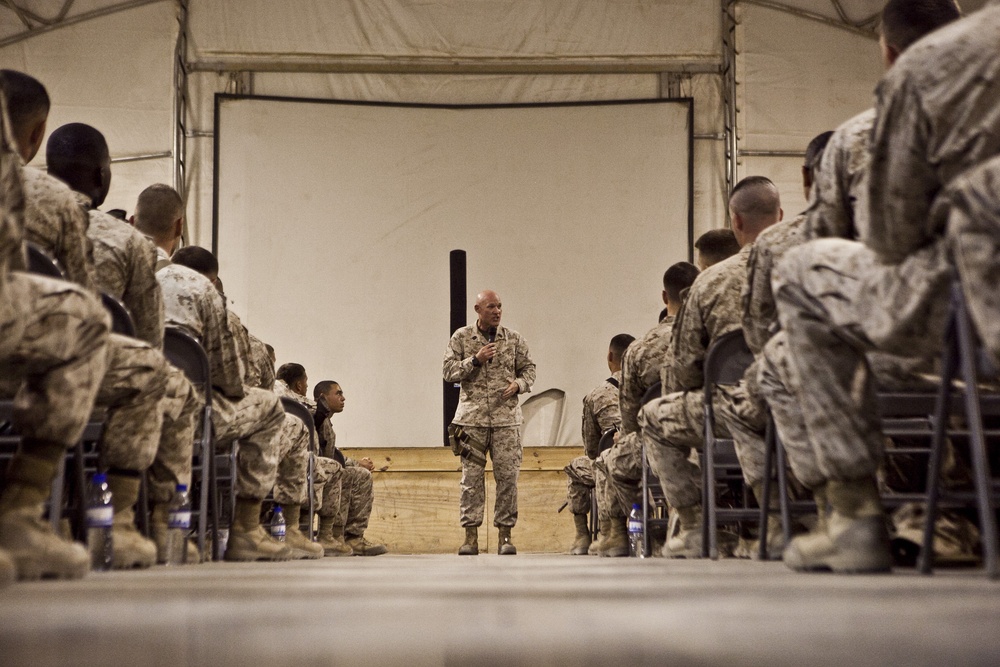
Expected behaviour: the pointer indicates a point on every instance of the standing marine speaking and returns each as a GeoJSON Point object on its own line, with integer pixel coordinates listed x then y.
{"type": "Point", "coordinates": [493, 365]}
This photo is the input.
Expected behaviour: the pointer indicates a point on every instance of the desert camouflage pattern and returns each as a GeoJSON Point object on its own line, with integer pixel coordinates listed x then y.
{"type": "Point", "coordinates": [356, 499]}
{"type": "Point", "coordinates": [162, 258]}
{"type": "Point", "coordinates": [760, 312]}
{"type": "Point", "coordinates": [262, 369]}
{"type": "Point", "coordinates": [125, 268]}
{"type": "Point", "coordinates": [192, 303]}
{"type": "Point", "coordinates": [56, 222]}
{"type": "Point", "coordinates": [602, 487]}
{"type": "Point", "coordinates": [181, 406]}
{"type": "Point", "coordinates": [291, 483]}
{"type": "Point", "coordinates": [327, 485]}
{"type": "Point", "coordinates": [641, 367]}
{"type": "Point", "coordinates": [480, 403]}
{"type": "Point", "coordinates": [241, 336]}
{"type": "Point", "coordinates": [256, 421]}
{"type": "Point", "coordinates": [504, 448]}
{"type": "Point", "coordinates": [600, 414]}
{"type": "Point", "coordinates": [623, 466]}
{"type": "Point", "coordinates": [580, 485]}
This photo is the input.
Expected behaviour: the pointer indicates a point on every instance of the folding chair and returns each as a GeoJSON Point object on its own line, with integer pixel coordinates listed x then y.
{"type": "Point", "coordinates": [121, 318]}
{"type": "Point", "coordinates": [726, 362]}
{"type": "Point", "coordinates": [964, 360]}
{"type": "Point", "coordinates": [185, 352]}
{"type": "Point", "coordinates": [300, 411]}
{"type": "Point", "coordinates": [40, 263]}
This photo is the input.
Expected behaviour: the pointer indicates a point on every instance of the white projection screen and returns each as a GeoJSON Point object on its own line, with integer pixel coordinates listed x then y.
{"type": "Point", "coordinates": [334, 222]}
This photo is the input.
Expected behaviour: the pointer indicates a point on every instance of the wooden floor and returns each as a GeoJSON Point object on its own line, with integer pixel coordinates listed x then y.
{"type": "Point", "coordinates": [500, 610]}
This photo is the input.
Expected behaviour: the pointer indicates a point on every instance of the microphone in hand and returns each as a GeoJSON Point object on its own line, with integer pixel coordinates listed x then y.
{"type": "Point", "coordinates": [492, 336]}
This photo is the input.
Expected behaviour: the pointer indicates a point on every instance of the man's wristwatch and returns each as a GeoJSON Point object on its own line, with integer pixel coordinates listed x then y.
{"type": "Point", "coordinates": [476, 362]}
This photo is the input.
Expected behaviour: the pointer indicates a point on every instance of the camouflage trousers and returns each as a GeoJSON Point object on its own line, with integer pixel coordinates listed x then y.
{"type": "Point", "coordinates": [255, 422]}
{"type": "Point", "coordinates": [291, 484]}
{"type": "Point", "coordinates": [53, 354]}
{"type": "Point", "coordinates": [623, 463]}
{"type": "Point", "coordinates": [504, 448]}
{"type": "Point", "coordinates": [672, 426]}
{"type": "Point", "coordinates": [181, 406]}
{"type": "Point", "coordinates": [580, 485]}
{"type": "Point", "coordinates": [131, 390]}
{"type": "Point", "coordinates": [974, 236]}
{"type": "Point", "coordinates": [356, 499]}
{"type": "Point", "coordinates": [836, 302]}
{"type": "Point", "coordinates": [602, 487]}
{"type": "Point", "coordinates": [327, 485]}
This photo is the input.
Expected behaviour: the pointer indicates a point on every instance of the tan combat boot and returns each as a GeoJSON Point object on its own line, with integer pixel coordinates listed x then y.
{"type": "Point", "coordinates": [129, 548]}
{"type": "Point", "coordinates": [504, 546]}
{"type": "Point", "coordinates": [363, 547]}
{"type": "Point", "coordinates": [471, 545]}
{"type": "Point", "coordinates": [302, 547]}
{"type": "Point", "coordinates": [616, 543]}
{"type": "Point", "coordinates": [687, 542]}
{"type": "Point", "coordinates": [27, 540]}
{"type": "Point", "coordinates": [582, 542]}
{"type": "Point", "coordinates": [8, 570]}
{"type": "Point", "coordinates": [855, 540]}
{"type": "Point", "coordinates": [332, 539]}
{"type": "Point", "coordinates": [597, 546]}
{"type": "Point", "coordinates": [248, 540]}
{"type": "Point", "coordinates": [159, 521]}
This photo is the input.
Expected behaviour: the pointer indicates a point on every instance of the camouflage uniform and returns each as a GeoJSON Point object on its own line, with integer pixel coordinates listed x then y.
{"type": "Point", "coordinates": [262, 369]}
{"type": "Point", "coordinates": [136, 376]}
{"type": "Point", "coordinates": [349, 495]}
{"type": "Point", "coordinates": [674, 423]}
{"type": "Point", "coordinates": [618, 470]}
{"type": "Point", "coordinates": [291, 486]}
{"type": "Point", "coordinates": [162, 259]}
{"type": "Point", "coordinates": [600, 414]}
{"type": "Point", "coordinates": [488, 418]}
{"type": "Point", "coordinates": [253, 417]}
{"type": "Point", "coordinates": [937, 116]}
{"type": "Point", "coordinates": [125, 267]}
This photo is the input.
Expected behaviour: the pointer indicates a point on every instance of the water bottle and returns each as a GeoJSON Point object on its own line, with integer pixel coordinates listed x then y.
{"type": "Point", "coordinates": [635, 541]}
{"type": "Point", "coordinates": [278, 524]}
{"type": "Point", "coordinates": [178, 526]}
{"type": "Point", "coordinates": [100, 514]}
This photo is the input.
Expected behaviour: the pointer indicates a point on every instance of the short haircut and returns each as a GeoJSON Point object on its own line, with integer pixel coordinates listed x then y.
{"type": "Point", "coordinates": [716, 245]}
{"type": "Point", "coordinates": [291, 373]}
{"type": "Point", "coordinates": [619, 344]}
{"type": "Point", "coordinates": [903, 22]}
{"type": "Point", "coordinates": [196, 258]}
{"type": "Point", "coordinates": [156, 210]}
{"type": "Point", "coordinates": [681, 275]}
{"type": "Point", "coordinates": [74, 151]}
{"type": "Point", "coordinates": [322, 388]}
{"type": "Point", "coordinates": [755, 198]}
{"type": "Point", "coordinates": [814, 151]}
{"type": "Point", "coordinates": [26, 98]}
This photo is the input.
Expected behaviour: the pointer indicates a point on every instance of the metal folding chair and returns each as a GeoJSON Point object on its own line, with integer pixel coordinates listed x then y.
{"type": "Point", "coordinates": [726, 362]}
{"type": "Point", "coordinates": [652, 495]}
{"type": "Point", "coordinates": [606, 442]}
{"type": "Point", "coordinates": [185, 352]}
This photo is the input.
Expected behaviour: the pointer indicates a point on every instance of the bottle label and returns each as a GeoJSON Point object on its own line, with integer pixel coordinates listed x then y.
{"type": "Point", "coordinates": [100, 516]}
{"type": "Point", "coordinates": [278, 532]}
{"type": "Point", "coordinates": [635, 526]}
{"type": "Point", "coordinates": [179, 519]}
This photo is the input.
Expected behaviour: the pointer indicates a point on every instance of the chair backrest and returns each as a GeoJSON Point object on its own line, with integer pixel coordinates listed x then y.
{"type": "Point", "coordinates": [607, 440]}
{"type": "Point", "coordinates": [39, 262]}
{"type": "Point", "coordinates": [185, 352]}
{"type": "Point", "coordinates": [121, 318]}
{"type": "Point", "coordinates": [727, 360]}
{"type": "Point", "coordinates": [654, 391]}
{"type": "Point", "coordinates": [300, 411]}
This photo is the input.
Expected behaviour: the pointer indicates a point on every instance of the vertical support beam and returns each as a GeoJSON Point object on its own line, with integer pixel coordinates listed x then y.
{"type": "Point", "coordinates": [457, 319]}
{"type": "Point", "coordinates": [729, 85]}
{"type": "Point", "coordinates": [180, 108]}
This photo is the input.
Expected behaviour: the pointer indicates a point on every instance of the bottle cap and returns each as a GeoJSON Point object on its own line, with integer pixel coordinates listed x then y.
{"type": "Point", "coordinates": [100, 478]}
{"type": "Point", "coordinates": [636, 506]}
{"type": "Point", "coordinates": [182, 487]}
{"type": "Point", "coordinates": [277, 508]}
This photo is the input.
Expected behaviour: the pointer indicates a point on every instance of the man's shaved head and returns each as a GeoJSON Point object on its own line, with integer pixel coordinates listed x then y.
{"type": "Point", "coordinates": [754, 206]}
{"type": "Point", "coordinates": [157, 212]}
{"type": "Point", "coordinates": [77, 154]}
{"type": "Point", "coordinates": [28, 108]}
{"type": "Point", "coordinates": [489, 309]}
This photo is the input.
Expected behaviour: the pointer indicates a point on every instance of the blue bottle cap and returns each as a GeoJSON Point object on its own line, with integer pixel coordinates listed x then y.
{"type": "Point", "coordinates": [277, 508]}
{"type": "Point", "coordinates": [636, 506]}
{"type": "Point", "coordinates": [100, 478]}
{"type": "Point", "coordinates": [182, 487]}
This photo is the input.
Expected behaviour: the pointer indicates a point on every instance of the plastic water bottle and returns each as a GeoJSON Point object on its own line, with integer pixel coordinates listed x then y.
{"type": "Point", "coordinates": [178, 526]}
{"type": "Point", "coordinates": [635, 535]}
{"type": "Point", "coordinates": [278, 524]}
{"type": "Point", "coordinates": [100, 514]}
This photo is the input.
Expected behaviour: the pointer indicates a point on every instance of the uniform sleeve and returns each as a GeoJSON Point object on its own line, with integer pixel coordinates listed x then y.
{"type": "Point", "coordinates": [227, 376]}
{"type": "Point", "coordinates": [831, 212]}
{"type": "Point", "coordinates": [589, 430]}
{"type": "Point", "coordinates": [75, 251]}
{"type": "Point", "coordinates": [143, 297]}
{"type": "Point", "coordinates": [758, 305]}
{"type": "Point", "coordinates": [902, 184]}
{"type": "Point", "coordinates": [456, 366]}
{"type": "Point", "coordinates": [630, 393]}
{"type": "Point", "coordinates": [524, 367]}
{"type": "Point", "coordinates": [688, 345]}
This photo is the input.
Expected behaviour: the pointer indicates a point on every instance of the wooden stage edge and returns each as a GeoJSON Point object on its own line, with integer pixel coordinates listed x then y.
{"type": "Point", "coordinates": [417, 494]}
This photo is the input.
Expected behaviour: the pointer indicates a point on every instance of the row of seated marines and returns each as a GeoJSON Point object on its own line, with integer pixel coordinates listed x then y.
{"type": "Point", "coordinates": [61, 364]}
{"type": "Point", "coordinates": [848, 298]}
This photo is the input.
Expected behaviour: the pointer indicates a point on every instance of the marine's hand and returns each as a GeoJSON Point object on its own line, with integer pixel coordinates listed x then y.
{"type": "Point", "coordinates": [367, 464]}
{"type": "Point", "coordinates": [511, 390]}
{"type": "Point", "coordinates": [486, 352]}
